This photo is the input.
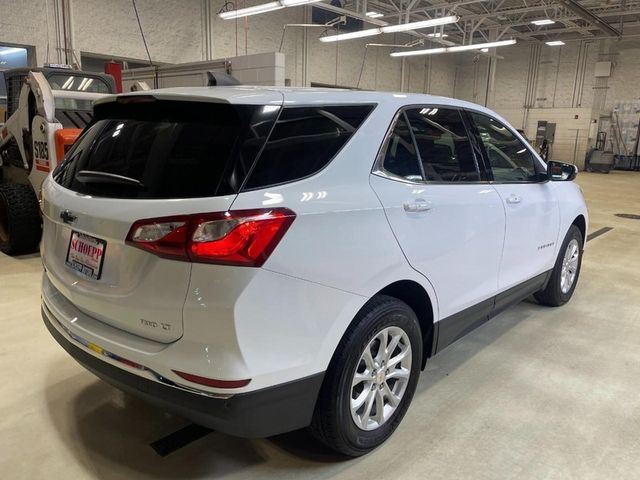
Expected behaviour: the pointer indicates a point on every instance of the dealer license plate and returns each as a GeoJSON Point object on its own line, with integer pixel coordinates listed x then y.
{"type": "Point", "coordinates": [86, 254]}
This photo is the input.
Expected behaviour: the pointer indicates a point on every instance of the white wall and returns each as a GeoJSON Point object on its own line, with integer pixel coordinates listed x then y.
{"type": "Point", "coordinates": [565, 86]}
{"type": "Point", "coordinates": [564, 76]}
{"type": "Point", "coordinates": [623, 83]}
{"type": "Point", "coordinates": [29, 22]}
{"type": "Point", "coordinates": [173, 28]}
{"type": "Point", "coordinates": [174, 32]}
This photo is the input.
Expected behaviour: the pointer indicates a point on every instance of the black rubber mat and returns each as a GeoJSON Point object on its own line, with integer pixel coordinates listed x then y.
{"type": "Point", "coordinates": [180, 438]}
{"type": "Point", "coordinates": [597, 233]}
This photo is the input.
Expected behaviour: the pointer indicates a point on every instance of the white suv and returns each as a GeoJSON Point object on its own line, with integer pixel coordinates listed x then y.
{"type": "Point", "coordinates": [260, 260]}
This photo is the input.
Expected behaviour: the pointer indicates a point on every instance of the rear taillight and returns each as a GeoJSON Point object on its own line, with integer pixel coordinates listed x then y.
{"type": "Point", "coordinates": [242, 237]}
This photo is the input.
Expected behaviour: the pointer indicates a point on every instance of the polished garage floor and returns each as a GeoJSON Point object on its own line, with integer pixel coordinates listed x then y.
{"type": "Point", "coordinates": [536, 393]}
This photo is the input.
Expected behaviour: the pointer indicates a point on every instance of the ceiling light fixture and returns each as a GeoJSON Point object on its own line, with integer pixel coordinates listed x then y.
{"type": "Point", "coordinates": [374, 14]}
{"type": "Point", "coordinates": [351, 35]}
{"type": "Point", "coordinates": [262, 8]}
{"type": "Point", "coordinates": [434, 22]}
{"type": "Point", "coordinates": [464, 48]}
{"type": "Point", "coordinates": [429, 51]}
{"type": "Point", "coordinates": [456, 48]}
{"type": "Point", "coordinates": [555, 43]}
{"type": "Point", "coordinates": [403, 27]}
{"type": "Point", "coordinates": [546, 21]}
{"type": "Point", "coordinates": [437, 35]}
{"type": "Point", "coordinates": [484, 50]}
{"type": "Point", "coordinates": [295, 3]}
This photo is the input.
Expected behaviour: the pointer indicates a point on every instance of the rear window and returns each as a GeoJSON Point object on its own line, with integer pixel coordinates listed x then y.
{"type": "Point", "coordinates": [166, 149]}
{"type": "Point", "coordinates": [78, 83]}
{"type": "Point", "coordinates": [303, 141]}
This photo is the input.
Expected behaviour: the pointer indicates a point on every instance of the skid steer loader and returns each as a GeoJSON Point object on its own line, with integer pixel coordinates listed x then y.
{"type": "Point", "coordinates": [47, 108]}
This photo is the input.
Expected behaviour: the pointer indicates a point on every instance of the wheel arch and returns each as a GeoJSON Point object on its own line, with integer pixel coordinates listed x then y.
{"type": "Point", "coordinates": [414, 295]}
{"type": "Point", "coordinates": [581, 223]}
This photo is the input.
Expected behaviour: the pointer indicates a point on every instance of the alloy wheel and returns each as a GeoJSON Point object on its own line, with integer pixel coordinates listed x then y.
{"type": "Point", "coordinates": [380, 378]}
{"type": "Point", "coordinates": [569, 266]}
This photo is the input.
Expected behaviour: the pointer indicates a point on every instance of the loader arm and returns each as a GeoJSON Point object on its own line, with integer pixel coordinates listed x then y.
{"type": "Point", "coordinates": [48, 109]}
{"type": "Point", "coordinates": [36, 98]}
{"type": "Point", "coordinates": [29, 135]}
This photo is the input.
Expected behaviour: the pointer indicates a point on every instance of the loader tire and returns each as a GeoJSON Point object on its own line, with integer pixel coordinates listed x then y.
{"type": "Point", "coordinates": [20, 221]}
{"type": "Point", "coordinates": [11, 155]}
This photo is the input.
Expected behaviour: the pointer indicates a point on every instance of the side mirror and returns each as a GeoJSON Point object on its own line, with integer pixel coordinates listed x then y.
{"type": "Point", "coordinates": [561, 172]}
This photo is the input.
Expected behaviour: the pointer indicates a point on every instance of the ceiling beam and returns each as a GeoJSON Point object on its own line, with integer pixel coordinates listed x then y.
{"type": "Point", "coordinates": [557, 31]}
{"type": "Point", "coordinates": [590, 17]}
{"type": "Point", "coordinates": [571, 18]}
{"type": "Point", "coordinates": [350, 13]}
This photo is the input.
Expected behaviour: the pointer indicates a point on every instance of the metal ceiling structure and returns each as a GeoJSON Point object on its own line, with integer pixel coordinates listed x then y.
{"type": "Point", "coordinates": [490, 20]}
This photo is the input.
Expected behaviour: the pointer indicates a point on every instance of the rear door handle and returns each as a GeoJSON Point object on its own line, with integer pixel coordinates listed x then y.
{"type": "Point", "coordinates": [513, 199]}
{"type": "Point", "coordinates": [418, 205]}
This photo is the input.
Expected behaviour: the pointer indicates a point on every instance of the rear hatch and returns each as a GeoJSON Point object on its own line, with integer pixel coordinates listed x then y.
{"type": "Point", "coordinates": [142, 158]}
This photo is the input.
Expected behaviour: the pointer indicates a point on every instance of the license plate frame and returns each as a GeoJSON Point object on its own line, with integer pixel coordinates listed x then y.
{"type": "Point", "coordinates": [88, 261]}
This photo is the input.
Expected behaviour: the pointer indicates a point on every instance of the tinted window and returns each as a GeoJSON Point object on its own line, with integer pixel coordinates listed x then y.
{"type": "Point", "coordinates": [77, 83]}
{"type": "Point", "coordinates": [400, 157]}
{"type": "Point", "coordinates": [166, 149]}
{"type": "Point", "coordinates": [443, 144]}
{"type": "Point", "coordinates": [303, 141]}
{"type": "Point", "coordinates": [509, 158]}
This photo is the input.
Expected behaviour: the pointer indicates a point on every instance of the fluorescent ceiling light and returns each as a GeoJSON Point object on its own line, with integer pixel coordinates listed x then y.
{"type": "Point", "coordinates": [255, 10]}
{"type": "Point", "coordinates": [295, 3]}
{"type": "Point", "coordinates": [457, 48]}
{"type": "Point", "coordinates": [437, 35]}
{"type": "Point", "coordinates": [263, 8]}
{"type": "Point", "coordinates": [9, 51]}
{"type": "Point", "coordinates": [375, 14]}
{"type": "Point", "coordinates": [546, 21]}
{"type": "Point", "coordinates": [404, 27]}
{"type": "Point", "coordinates": [68, 83]}
{"type": "Point", "coordinates": [555, 43]}
{"type": "Point", "coordinates": [484, 50]}
{"type": "Point", "coordinates": [390, 29]}
{"type": "Point", "coordinates": [411, 53]}
{"type": "Point", "coordinates": [463, 48]}
{"type": "Point", "coordinates": [351, 35]}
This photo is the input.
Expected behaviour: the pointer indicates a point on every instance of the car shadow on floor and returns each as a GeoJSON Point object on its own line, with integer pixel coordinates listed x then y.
{"type": "Point", "coordinates": [475, 342]}
{"type": "Point", "coordinates": [109, 431]}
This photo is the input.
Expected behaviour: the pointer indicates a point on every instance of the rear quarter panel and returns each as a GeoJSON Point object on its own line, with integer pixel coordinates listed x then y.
{"type": "Point", "coordinates": [340, 238]}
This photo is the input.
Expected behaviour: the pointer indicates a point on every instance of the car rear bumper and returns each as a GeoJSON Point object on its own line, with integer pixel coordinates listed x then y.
{"type": "Point", "coordinates": [260, 413]}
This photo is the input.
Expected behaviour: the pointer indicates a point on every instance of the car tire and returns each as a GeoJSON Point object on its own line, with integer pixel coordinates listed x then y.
{"type": "Point", "coordinates": [20, 221]}
{"type": "Point", "coordinates": [336, 421]}
{"type": "Point", "coordinates": [565, 273]}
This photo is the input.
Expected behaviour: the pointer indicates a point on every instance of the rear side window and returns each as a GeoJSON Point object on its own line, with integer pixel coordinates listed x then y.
{"type": "Point", "coordinates": [400, 157]}
{"type": "Point", "coordinates": [166, 149]}
{"type": "Point", "coordinates": [303, 141]}
{"type": "Point", "coordinates": [443, 144]}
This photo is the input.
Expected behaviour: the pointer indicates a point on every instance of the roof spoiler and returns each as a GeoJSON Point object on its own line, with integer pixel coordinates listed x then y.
{"type": "Point", "coordinates": [216, 79]}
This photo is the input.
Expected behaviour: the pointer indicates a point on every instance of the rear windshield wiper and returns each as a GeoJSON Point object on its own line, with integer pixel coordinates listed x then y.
{"type": "Point", "coordinates": [91, 176]}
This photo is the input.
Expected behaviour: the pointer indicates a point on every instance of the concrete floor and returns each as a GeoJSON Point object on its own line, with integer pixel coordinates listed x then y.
{"type": "Point", "coordinates": [536, 393]}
